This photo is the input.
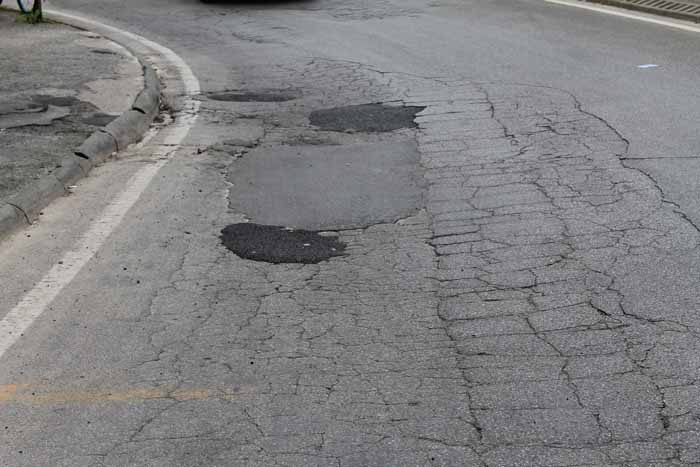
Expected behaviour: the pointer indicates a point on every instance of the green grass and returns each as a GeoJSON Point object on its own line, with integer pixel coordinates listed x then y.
{"type": "Point", "coordinates": [33, 17]}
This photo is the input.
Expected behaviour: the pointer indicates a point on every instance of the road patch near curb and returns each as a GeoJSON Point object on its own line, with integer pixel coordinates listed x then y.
{"type": "Point", "coordinates": [254, 96]}
{"type": "Point", "coordinates": [126, 129]}
{"type": "Point", "coordinates": [33, 304]}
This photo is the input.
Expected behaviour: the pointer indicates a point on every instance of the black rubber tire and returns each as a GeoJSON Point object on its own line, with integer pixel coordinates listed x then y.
{"type": "Point", "coordinates": [26, 5]}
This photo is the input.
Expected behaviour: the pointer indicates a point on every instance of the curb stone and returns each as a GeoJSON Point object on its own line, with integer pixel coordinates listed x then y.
{"type": "Point", "coordinates": [23, 208]}
{"type": "Point", "coordinates": [97, 148]}
{"type": "Point", "coordinates": [128, 128]}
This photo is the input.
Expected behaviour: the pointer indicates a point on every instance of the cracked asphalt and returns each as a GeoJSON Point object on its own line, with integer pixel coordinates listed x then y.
{"type": "Point", "coordinates": [518, 284]}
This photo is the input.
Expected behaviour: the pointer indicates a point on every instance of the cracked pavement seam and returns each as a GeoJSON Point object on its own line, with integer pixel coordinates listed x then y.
{"type": "Point", "coordinates": [535, 217]}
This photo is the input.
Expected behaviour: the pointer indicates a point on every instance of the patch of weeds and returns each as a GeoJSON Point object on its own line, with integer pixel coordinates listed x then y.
{"type": "Point", "coordinates": [33, 17]}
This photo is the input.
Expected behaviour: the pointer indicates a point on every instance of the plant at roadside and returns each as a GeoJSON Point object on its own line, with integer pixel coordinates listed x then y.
{"type": "Point", "coordinates": [35, 15]}
{"type": "Point", "coordinates": [31, 10]}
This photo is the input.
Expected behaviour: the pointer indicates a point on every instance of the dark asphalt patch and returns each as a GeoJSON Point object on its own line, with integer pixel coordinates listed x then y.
{"type": "Point", "coordinates": [275, 244]}
{"type": "Point", "coordinates": [366, 118]}
{"type": "Point", "coordinates": [103, 52]}
{"type": "Point", "coordinates": [97, 119]}
{"type": "Point", "coordinates": [58, 101]}
{"type": "Point", "coordinates": [20, 106]}
{"type": "Point", "coordinates": [259, 96]}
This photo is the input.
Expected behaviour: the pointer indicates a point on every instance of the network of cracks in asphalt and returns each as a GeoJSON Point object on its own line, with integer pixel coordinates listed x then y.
{"type": "Point", "coordinates": [520, 320]}
{"type": "Point", "coordinates": [275, 244]}
{"type": "Point", "coordinates": [551, 349]}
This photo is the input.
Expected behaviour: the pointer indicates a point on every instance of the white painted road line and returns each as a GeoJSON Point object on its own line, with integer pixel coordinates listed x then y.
{"type": "Point", "coordinates": [37, 300]}
{"type": "Point", "coordinates": [186, 75]}
{"type": "Point", "coordinates": [14, 324]}
{"type": "Point", "coordinates": [647, 18]}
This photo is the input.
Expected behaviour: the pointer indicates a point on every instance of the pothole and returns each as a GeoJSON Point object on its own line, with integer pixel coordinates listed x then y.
{"type": "Point", "coordinates": [366, 118]}
{"type": "Point", "coordinates": [259, 96]}
{"type": "Point", "coordinates": [275, 244]}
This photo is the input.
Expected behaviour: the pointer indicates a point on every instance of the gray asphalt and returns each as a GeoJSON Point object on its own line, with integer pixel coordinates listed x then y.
{"type": "Point", "coordinates": [521, 291]}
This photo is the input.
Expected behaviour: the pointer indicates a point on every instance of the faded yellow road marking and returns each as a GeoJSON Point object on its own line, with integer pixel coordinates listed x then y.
{"type": "Point", "coordinates": [43, 394]}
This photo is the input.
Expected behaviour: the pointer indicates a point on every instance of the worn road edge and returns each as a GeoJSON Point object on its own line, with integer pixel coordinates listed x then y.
{"type": "Point", "coordinates": [659, 11]}
{"type": "Point", "coordinates": [629, 14]}
{"type": "Point", "coordinates": [23, 208]}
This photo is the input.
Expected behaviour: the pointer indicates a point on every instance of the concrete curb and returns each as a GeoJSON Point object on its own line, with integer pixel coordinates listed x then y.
{"type": "Point", "coordinates": [24, 207]}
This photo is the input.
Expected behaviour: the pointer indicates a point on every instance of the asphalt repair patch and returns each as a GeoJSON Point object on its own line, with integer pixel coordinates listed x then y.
{"type": "Point", "coordinates": [275, 244]}
{"type": "Point", "coordinates": [58, 101]}
{"type": "Point", "coordinates": [326, 187]}
{"type": "Point", "coordinates": [366, 118]}
{"type": "Point", "coordinates": [259, 96]}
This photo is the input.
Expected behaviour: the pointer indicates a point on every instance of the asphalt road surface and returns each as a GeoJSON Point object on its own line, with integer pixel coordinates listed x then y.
{"type": "Point", "coordinates": [505, 252]}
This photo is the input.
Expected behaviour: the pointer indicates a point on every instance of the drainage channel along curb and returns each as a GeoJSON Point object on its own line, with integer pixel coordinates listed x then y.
{"type": "Point", "coordinates": [23, 208]}
{"type": "Point", "coordinates": [675, 9]}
